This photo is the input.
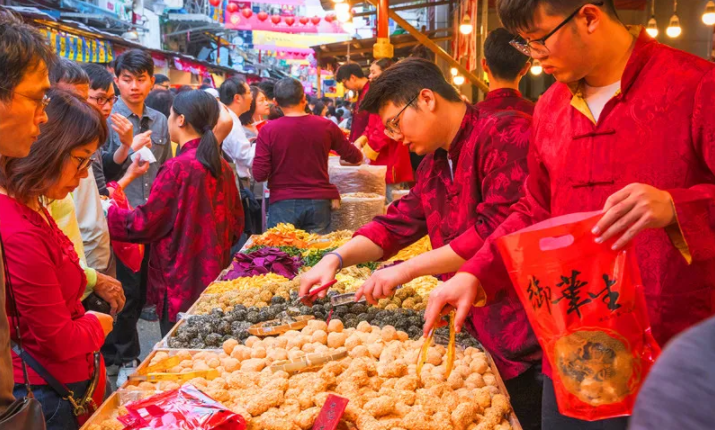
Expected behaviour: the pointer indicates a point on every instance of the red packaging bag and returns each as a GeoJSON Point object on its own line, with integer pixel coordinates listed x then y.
{"type": "Point", "coordinates": [586, 305]}
{"type": "Point", "coordinates": [130, 254]}
{"type": "Point", "coordinates": [186, 408]}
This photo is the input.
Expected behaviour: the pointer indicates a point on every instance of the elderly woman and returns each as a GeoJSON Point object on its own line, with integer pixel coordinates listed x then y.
{"type": "Point", "coordinates": [44, 275]}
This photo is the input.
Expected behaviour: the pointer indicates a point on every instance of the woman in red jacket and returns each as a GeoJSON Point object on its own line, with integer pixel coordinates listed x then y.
{"type": "Point", "coordinates": [193, 215]}
{"type": "Point", "coordinates": [45, 277]}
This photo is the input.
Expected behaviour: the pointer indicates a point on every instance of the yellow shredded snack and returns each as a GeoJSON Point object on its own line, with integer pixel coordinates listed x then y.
{"type": "Point", "coordinates": [244, 283]}
{"type": "Point", "coordinates": [420, 247]}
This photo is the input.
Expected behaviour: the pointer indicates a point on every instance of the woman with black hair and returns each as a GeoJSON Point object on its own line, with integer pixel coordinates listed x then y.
{"type": "Point", "coordinates": [379, 66]}
{"type": "Point", "coordinates": [320, 110]}
{"type": "Point", "coordinates": [260, 108]}
{"type": "Point", "coordinates": [193, 215]}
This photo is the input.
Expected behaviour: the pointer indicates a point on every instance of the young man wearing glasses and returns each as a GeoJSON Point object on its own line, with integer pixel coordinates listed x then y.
{"type": "Point", "coordinates": [368, 133]}
{"type": "Point", "coordinates": [626, 130]}
{"type": "Point", "coordinates": [25, 57]}
{"type": "Point", "coordinates": [474, 170]}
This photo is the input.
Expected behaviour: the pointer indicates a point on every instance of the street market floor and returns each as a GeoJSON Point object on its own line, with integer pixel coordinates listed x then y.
{"type": "Point", "coordinates": [149, 335]}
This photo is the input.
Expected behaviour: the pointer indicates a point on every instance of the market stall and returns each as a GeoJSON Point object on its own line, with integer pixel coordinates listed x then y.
{"type": "Point", "coordinates": [253, 350]}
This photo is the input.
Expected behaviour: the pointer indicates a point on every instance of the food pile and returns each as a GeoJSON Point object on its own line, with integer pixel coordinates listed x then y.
{"type": "Point", "coordinates": [244, 283]}
{"type": "Point", "coordinates": [405, 298]}
{"type": "Point", "coordinates": [378, 376]}
{"type": "Point", "coordinates": [264, 261]}
{"type": "Point", "coordinates": [367, 354]}
{"type": "Point", "coordinates": [420, 247]}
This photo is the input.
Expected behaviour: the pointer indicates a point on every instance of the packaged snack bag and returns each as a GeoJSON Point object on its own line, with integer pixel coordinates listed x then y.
{"type": "Point", "coordinates": [185, 408]}
{"type": "Point", "coordinates": [586, 305]}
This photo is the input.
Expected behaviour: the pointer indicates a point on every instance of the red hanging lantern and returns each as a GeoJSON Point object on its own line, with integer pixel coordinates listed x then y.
{"type": "Point", "coordinates": [247, 13]}
{"type": "Point", "coordinates": [315, 20]}
{"type": "Point", "coordinates": [232, 7]}
{"type": "Point", "coordinates": [329, 18]}
{"type": "Point", "coordinates": [262, 16]}
{"type": "Point", "coordinates": [215, 3]}
{"type": "Point", "coordinates": [303, 20]}
{"type": "Point", "coordinates": [275, 19]}
{"type": "Point", "coordinates": [290, 20]}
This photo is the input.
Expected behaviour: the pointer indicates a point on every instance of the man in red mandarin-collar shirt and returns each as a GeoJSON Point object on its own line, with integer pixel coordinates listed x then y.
{"type": "Point", "coordinates": [474, 170]}
{"type": "Point", "coordinates": [627, 129]}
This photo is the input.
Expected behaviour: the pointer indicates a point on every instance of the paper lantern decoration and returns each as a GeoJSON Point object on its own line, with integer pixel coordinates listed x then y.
{"type": "Point", "coordinates": [215, 3]}
{"type": "Point", "coordinates": [290, 20]}
{"type": "Point", "coordinates": [232, 7]}
{"type": "Point", "coordinates": [330, 18]}
{"type": "Point", "coordinates": [303, 20]}
{"type": "Point", "coordinates": [275, 19]}
{"type": "Point", "coordinates": [315, 20]}
{"type": "Point", "coordinates": [247, 13]}
{"type": "Point", "coordinates": [262, 16]}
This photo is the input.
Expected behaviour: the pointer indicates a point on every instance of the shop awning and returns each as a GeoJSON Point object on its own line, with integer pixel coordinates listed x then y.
{"type": "Point", "coordinates": [360, 50]}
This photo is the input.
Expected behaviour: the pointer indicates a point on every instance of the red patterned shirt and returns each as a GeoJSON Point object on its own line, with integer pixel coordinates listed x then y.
{"type": "Point", "coordinates": [505, 99]}
{"type": "Point", "coordinates": [658, 130]}
{"type": "Point", "coordinates": [360, 117]}
{"type": "Point", "coordinates": [474, 183]}
{"type": "Point", "coordinates": [191, 219]}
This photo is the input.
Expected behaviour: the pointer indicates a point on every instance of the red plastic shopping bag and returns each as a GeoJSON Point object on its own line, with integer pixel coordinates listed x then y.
{"type": "Point", "coordinates": [586, 305]}
{"type": "Point", "coordinates": [185, 408]}
{"type": "Point", "coordinates": [130, 254]}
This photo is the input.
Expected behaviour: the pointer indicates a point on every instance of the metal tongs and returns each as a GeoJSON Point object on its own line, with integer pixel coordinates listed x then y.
{"type": "Point", "coordinates": [312, 293]}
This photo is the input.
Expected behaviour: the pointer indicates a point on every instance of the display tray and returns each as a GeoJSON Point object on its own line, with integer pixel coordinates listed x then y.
{"type": "Point", "coordinates": [112, 403]}
{"type": "Point", "coordinates": [104, 412]}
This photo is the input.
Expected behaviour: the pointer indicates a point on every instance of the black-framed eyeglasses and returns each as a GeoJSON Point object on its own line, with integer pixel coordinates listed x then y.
{"type": "Point", "coordinates": [41, 102]}
{"type": "Point", "coordinates": [101, 101]}
{"type": "Point", "coordinates": [538, 46]}
{"type": "Point", "coordinates": [392, 126]}
{"type": "Point", "coordinates": [83, 163]}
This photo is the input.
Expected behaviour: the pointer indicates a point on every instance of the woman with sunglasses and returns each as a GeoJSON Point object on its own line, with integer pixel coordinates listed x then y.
{"type": "Point", "coordinates": [45, 276]}
{"type": "Point", "coordinates": [193, 215]}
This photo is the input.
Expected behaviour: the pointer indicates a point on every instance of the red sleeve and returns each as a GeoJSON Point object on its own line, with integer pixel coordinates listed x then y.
{"type": "Point", "coordinates": [41, 304]}
{"type": "Point", "coordinates": [486, 263]}
{"type": "Point", "coordinates": [340, 144]}
{"type": "Point", "coordinates": [403, 224]}
{"type": "Point", "coordinates": [502, 147]}
{"type": "Point", "coordinates": [262, 161]}
{"type": "Point", "coordinates": [154, 220]}
{"type": "Point", "coordinates": [694, 232]}
{"type": "Point", "coordinates": [377, 140]}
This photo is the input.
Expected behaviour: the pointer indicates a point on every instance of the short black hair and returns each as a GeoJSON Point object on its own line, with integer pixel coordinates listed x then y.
{"type": "Point", "coordinates": [22, 49]}
{"type": "Point", "coordinates": [134, 61]}
{"type": "Point", "coordinates": [421, 51]}
{"type": "Point", "coordinates": [68, 72]}
{"type": "Point", "coordinates": [383, 63]}
{"type": "Point", "coordinates": [503, 61]}
{"type": "Point", "coordinates": [318, 109]}
{"type": "Point", "coordinates": [403, 82]}
{"type": "Point", "coordinates": [516, 15]}
{"type": "Point", "coordinates": [230, 88]}
{"type": "Point", "coordinates": [347, 70]}
{"type": "Point", "coordinates": [160, 79]}
{"type": "Point", "coordinates": [288, 92]}
{"type": "Point", "coordinates": [160, 100]}
{"type": "Point", "coordinates": [99, 77]}
{"type": "Point", "coordinates": [267, 88]}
